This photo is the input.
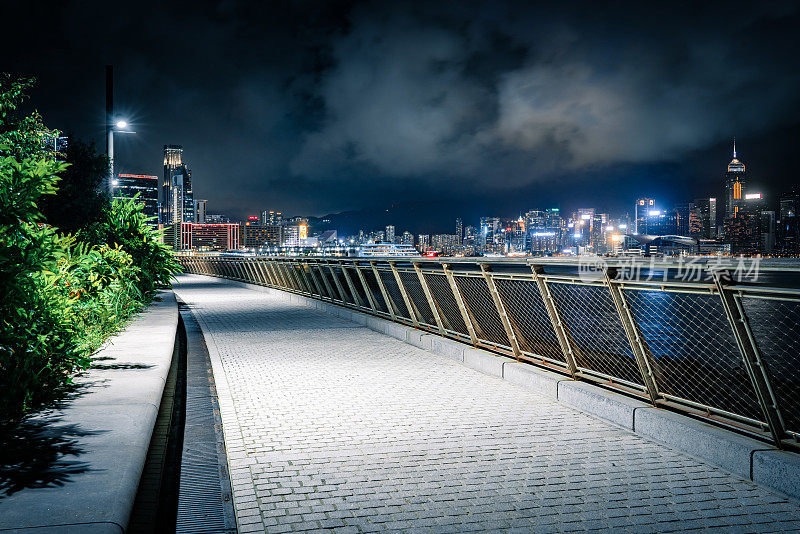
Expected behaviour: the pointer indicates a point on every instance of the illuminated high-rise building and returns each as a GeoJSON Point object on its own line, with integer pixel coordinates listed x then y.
{"type": "Point", "coordinates": [177, 197]}
{"type": "Point", "coordinates": [271, 218]}
{"type": "Point", "coordinates": [127, 186]}
{"type": "Point", "coordinates": [390, 234]}
{"type": "Point", "coordinates": [735, 185]}
{"type": "Point", "coordinates": [703, 218]}
{"type": "Point", "coordinates": [200, 211]}
{"type": "Point", "coordinates": [459, 231]}
{"type": "Point", "coordinates": [642, 211]}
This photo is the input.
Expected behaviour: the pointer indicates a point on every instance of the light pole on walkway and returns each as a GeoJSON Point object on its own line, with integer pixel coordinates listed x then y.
{"type": "Point", "coordinates": [113, 125]}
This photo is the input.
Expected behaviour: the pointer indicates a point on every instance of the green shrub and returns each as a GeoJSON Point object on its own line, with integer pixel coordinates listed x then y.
{"type": "Point", "coordinates": [61, 296]}
{"type": "Point", "coordinates": [127, 226]}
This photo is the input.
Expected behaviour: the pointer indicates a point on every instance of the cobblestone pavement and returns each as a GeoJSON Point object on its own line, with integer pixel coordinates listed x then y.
{"type": "Point", "coordinates": [329, 425]}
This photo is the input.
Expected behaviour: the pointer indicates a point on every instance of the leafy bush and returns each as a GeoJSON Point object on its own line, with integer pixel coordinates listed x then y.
{"type": "Point", "coordinates": [60, 295]}
{"type": "Point", "coordinates": [127, 226]}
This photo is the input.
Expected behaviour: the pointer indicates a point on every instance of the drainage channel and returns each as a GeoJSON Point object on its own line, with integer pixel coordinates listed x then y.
{"type": "Point", "coordinates": [204, 498]}
{"type": "Point", "coordinates": [185, 487]}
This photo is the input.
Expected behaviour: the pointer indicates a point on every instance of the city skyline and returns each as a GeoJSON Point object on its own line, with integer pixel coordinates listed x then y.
{"type": "Point", "coordinates": [659, 105]}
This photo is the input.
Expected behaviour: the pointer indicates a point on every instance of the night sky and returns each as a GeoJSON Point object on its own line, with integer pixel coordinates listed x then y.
{"type": "Point", "coordinates": [471, 108]}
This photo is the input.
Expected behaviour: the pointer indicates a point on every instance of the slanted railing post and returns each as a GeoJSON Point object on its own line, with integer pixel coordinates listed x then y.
{"type": "Point", "coordinates": [356, 295]}
{"type": "Point", "coordinates": [267, 268]}
{"type": "Point", "coordinates": [277, 268]}
{"type": "Point", "coordinates": [568, 346]}
{"type": "Point", "coordinates": [429, 297]}
{"type": "Point", "coordinates": [251, 272]}
{"type": "Point", "coordinates": [386, 298]}
{"type": "Point", "coordinates": [486, 269]}
{"type": "Point", "coordinates": [322, 287]}
{"type": "Point", "coordinates": [413, 313]}
{"type": "Point", "coordinates": [302, 287]}
{"type": "Point", "coordinates": [641, 352]}
{"type": "Point", "coordinates": [367, 290]}
{"type": "Point", "coordinates": [308, 273]}
{"type": "Point", "coordinates": [751, 355]}
{"type": "Point", "coordinates": [462, 307]}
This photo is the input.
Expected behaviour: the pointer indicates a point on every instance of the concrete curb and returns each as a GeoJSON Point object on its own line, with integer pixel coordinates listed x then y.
{"type": "Point", "coordinates": [745, 457]}
{"type": "Point", "coordinates": [108, 425]}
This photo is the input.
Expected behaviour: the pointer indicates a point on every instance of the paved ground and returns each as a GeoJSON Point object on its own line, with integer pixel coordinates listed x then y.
{"type": "Point", "coordinates": [331, 425]}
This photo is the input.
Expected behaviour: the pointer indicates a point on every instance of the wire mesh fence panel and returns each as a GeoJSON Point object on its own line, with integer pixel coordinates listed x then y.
{"type": "Point", "coordinates": [480, 303]}
{"type": "Point", "coordinates": [357, 285]}
{"type": "Point", "coordinates": [393, 290]}
{"type": "Point", "coordinates": [327, 282]}
{"type": "Point", "coordinates": [774, 326]}
{"type": "Point", "coordinates": [313, 281]}
{"type": "Point", "coordinates": [695, 356]}
{"type": "Point", "coordinates": [301, 274]}
{"type": "Point", "coordinates": [596, 329]}
{"type": "Point", "coordinates": [442, 295]}
{"type": "Point", "coordinates": [374, 289]}
{"type": "Point", "coordinates": [337, 275]}
{"type": "Point", "coordinates": [417, 295]}
{"type": "Point", "coordinates": [528, 315]}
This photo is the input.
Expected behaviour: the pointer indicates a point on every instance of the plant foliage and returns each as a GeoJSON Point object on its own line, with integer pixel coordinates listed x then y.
{"type": "Point", "coordinates": [61, 295]}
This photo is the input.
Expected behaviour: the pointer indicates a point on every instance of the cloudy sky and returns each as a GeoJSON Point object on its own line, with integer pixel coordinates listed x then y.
{"type": "Point", "coordinates": [478, 107]}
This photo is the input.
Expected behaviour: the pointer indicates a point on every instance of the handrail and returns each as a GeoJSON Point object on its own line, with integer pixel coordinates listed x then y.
{"type": "Point", "coordinates": [725, 352]}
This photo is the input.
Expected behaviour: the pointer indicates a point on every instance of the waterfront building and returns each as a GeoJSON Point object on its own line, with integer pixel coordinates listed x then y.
{"type": "Point", "coordinates": [126, 186]}
{"type": "Point", "coordinates": [491, 238]}
{"type": "Point", "coordinates": [703, 218]}
{"type": "Point", "coordinates": [202, 237]}
{"type": "Point", "coordinates": [200, 207]}
{"type": "Point", "coordinates": [788, 228]}
{"type": "Point", "coordinates": [423, 242]}
{"type": "Point", "coordinates": [642, 211]}
{"type": "Point", "coordinates": [271, 218]}
{"type": "Point", "coordinates": [257, 235]}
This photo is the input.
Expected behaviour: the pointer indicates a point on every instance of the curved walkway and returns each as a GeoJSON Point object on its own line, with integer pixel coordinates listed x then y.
{"type": "Point", "coordinates": [330, 425]}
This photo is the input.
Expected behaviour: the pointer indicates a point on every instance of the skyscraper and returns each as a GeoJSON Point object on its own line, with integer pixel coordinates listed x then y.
{"type": "Point", "coordinates": [390, 234]}
{"type": "Point", "coordinates": [735, 185]}
{"type": "Point", "coordinates": [789, 222]}
{"type": "Point", "coordinates": [129, 185]}
{"type": "Point", "coordinates": [271, 218]}
{"type": "Point", "coordinates": [200, 207]}
{"type": "Point", "coordinates": [459, 231]}
{"type": "Point", "coordinates": [642, 210]}
{"type": "Point", "coordinates": [703, 218]}
{"type": "Point", "coordinates": [177, 198]}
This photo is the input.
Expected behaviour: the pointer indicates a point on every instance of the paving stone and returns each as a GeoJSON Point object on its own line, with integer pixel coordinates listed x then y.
{"type": "Point", "coordinates": [338, 426]}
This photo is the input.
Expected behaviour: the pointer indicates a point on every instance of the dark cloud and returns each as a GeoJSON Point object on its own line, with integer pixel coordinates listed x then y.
{"type": "Point", "coordinates": [324, 106]}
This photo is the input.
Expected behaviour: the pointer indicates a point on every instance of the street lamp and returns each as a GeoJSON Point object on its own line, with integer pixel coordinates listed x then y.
{"type": "Point", "coordinates": [118, 127]}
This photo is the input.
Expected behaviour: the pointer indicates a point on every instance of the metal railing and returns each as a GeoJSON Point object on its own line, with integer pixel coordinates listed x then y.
{"type": "Point", "coordinates": [724, 352]}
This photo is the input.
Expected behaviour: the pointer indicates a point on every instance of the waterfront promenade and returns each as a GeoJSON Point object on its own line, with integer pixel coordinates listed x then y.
{"type": "Point", "coordinates": [331, 425]}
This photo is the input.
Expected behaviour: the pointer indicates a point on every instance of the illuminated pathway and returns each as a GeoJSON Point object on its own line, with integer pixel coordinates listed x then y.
{"type": "Point", "coordinates": [331, 425]}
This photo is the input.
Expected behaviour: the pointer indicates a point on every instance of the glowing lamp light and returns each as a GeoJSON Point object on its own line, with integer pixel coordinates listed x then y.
{"type": "Point", "coordinates": [122, 124]}
{"type": "Point", "coordinates": [654, 213]}
{"type": "Point", "coordinates": [114, 182]}
{"type": "Point", "coordinates": [576, 235]}
{"type": "Point", "coordinates": [752, 196]}
{"type": "Point", "coordinates": [609, 228]}
{"type": "Point", "coordinates": [623, 226]}
{"type": "Point", "coordinates": [615, 238]}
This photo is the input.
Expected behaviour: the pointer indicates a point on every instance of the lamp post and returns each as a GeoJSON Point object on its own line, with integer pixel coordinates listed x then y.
{"type": "Point", "coordinates": [113, 124]}
{"type": "Point", "coordinates": [118, 127]}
